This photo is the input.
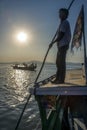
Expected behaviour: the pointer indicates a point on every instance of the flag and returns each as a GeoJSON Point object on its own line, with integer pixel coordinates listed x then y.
{"type": "Point", "coordinates": [77, 36]}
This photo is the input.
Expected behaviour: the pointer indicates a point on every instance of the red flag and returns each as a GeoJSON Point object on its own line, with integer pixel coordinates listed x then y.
{"type": "Point", "coordinates": [77, 36]}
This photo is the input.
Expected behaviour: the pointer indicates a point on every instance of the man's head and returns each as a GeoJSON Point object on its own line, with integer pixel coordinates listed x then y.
{"type": "Point", "coordinates": [63, 13]}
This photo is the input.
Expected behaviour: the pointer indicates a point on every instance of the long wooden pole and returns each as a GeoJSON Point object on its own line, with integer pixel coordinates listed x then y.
{"type": "Point", "coordinates": [45, 59]}
{"type": "Point", "coordinates": [19, 120]}
{"type": "Point", "coordinates": [84, 43]}
{"type": "Point", "coordinates": [70, 4]}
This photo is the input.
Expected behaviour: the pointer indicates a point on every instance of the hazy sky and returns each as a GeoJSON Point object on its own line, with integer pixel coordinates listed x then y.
{"type": "Point", "coordinates": [39, 20]}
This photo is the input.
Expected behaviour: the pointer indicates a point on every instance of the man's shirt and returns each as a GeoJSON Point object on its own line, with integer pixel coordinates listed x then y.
{"type": "Point", "coordinates": [64, 27]}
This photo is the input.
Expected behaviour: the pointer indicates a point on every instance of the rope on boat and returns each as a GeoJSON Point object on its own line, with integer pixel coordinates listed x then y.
{"type": "Point", "coordinates": [45, 81]}
{"type": "Point", "coordinates": [19, 120]}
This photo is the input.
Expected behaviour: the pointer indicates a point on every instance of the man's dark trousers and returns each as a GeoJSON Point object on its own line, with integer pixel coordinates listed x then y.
{"type": "Point", "coordinates": [61, 63]}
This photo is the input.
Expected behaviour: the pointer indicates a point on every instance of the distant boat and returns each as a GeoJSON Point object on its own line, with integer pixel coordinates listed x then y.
{"type": "Point", "coordinates": [31, 67]}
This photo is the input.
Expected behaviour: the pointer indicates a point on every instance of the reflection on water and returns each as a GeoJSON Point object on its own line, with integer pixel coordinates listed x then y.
{"type": "Point", "coordinates": [17, 83]}
{"type": "Point", "coordinates": [20, 81]}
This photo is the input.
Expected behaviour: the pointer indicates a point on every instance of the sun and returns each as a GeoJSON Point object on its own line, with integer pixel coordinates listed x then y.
{"type": "Point", "coordinates": [22, 37]}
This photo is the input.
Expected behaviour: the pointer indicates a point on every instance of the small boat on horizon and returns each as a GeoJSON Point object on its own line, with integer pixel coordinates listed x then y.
{"type": "Point", "coordinates": [24, 66]}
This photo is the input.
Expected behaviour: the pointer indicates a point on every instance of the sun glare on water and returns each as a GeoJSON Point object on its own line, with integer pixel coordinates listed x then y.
{"type": "Point", "coordinates": [22, 37]}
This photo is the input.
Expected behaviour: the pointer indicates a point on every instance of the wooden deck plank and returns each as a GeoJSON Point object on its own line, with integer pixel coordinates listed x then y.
{"type": "Point", "coordinates": [73, 78]}
{"type": "Point", "coordinates": [75, 84]}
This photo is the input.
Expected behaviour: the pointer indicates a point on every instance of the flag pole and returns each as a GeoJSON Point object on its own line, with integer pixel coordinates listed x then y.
{"type": "Point", "coordinates": [84, 43]}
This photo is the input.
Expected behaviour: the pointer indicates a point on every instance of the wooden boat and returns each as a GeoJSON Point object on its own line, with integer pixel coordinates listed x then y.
{"type": "Point", "coordinates": [23, 67]}
{"type": "Point", "coordinates": [63, 106]}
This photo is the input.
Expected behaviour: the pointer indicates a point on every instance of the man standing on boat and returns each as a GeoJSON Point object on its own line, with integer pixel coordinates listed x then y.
{"type": "Point", "coordinates": [62, 40]}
